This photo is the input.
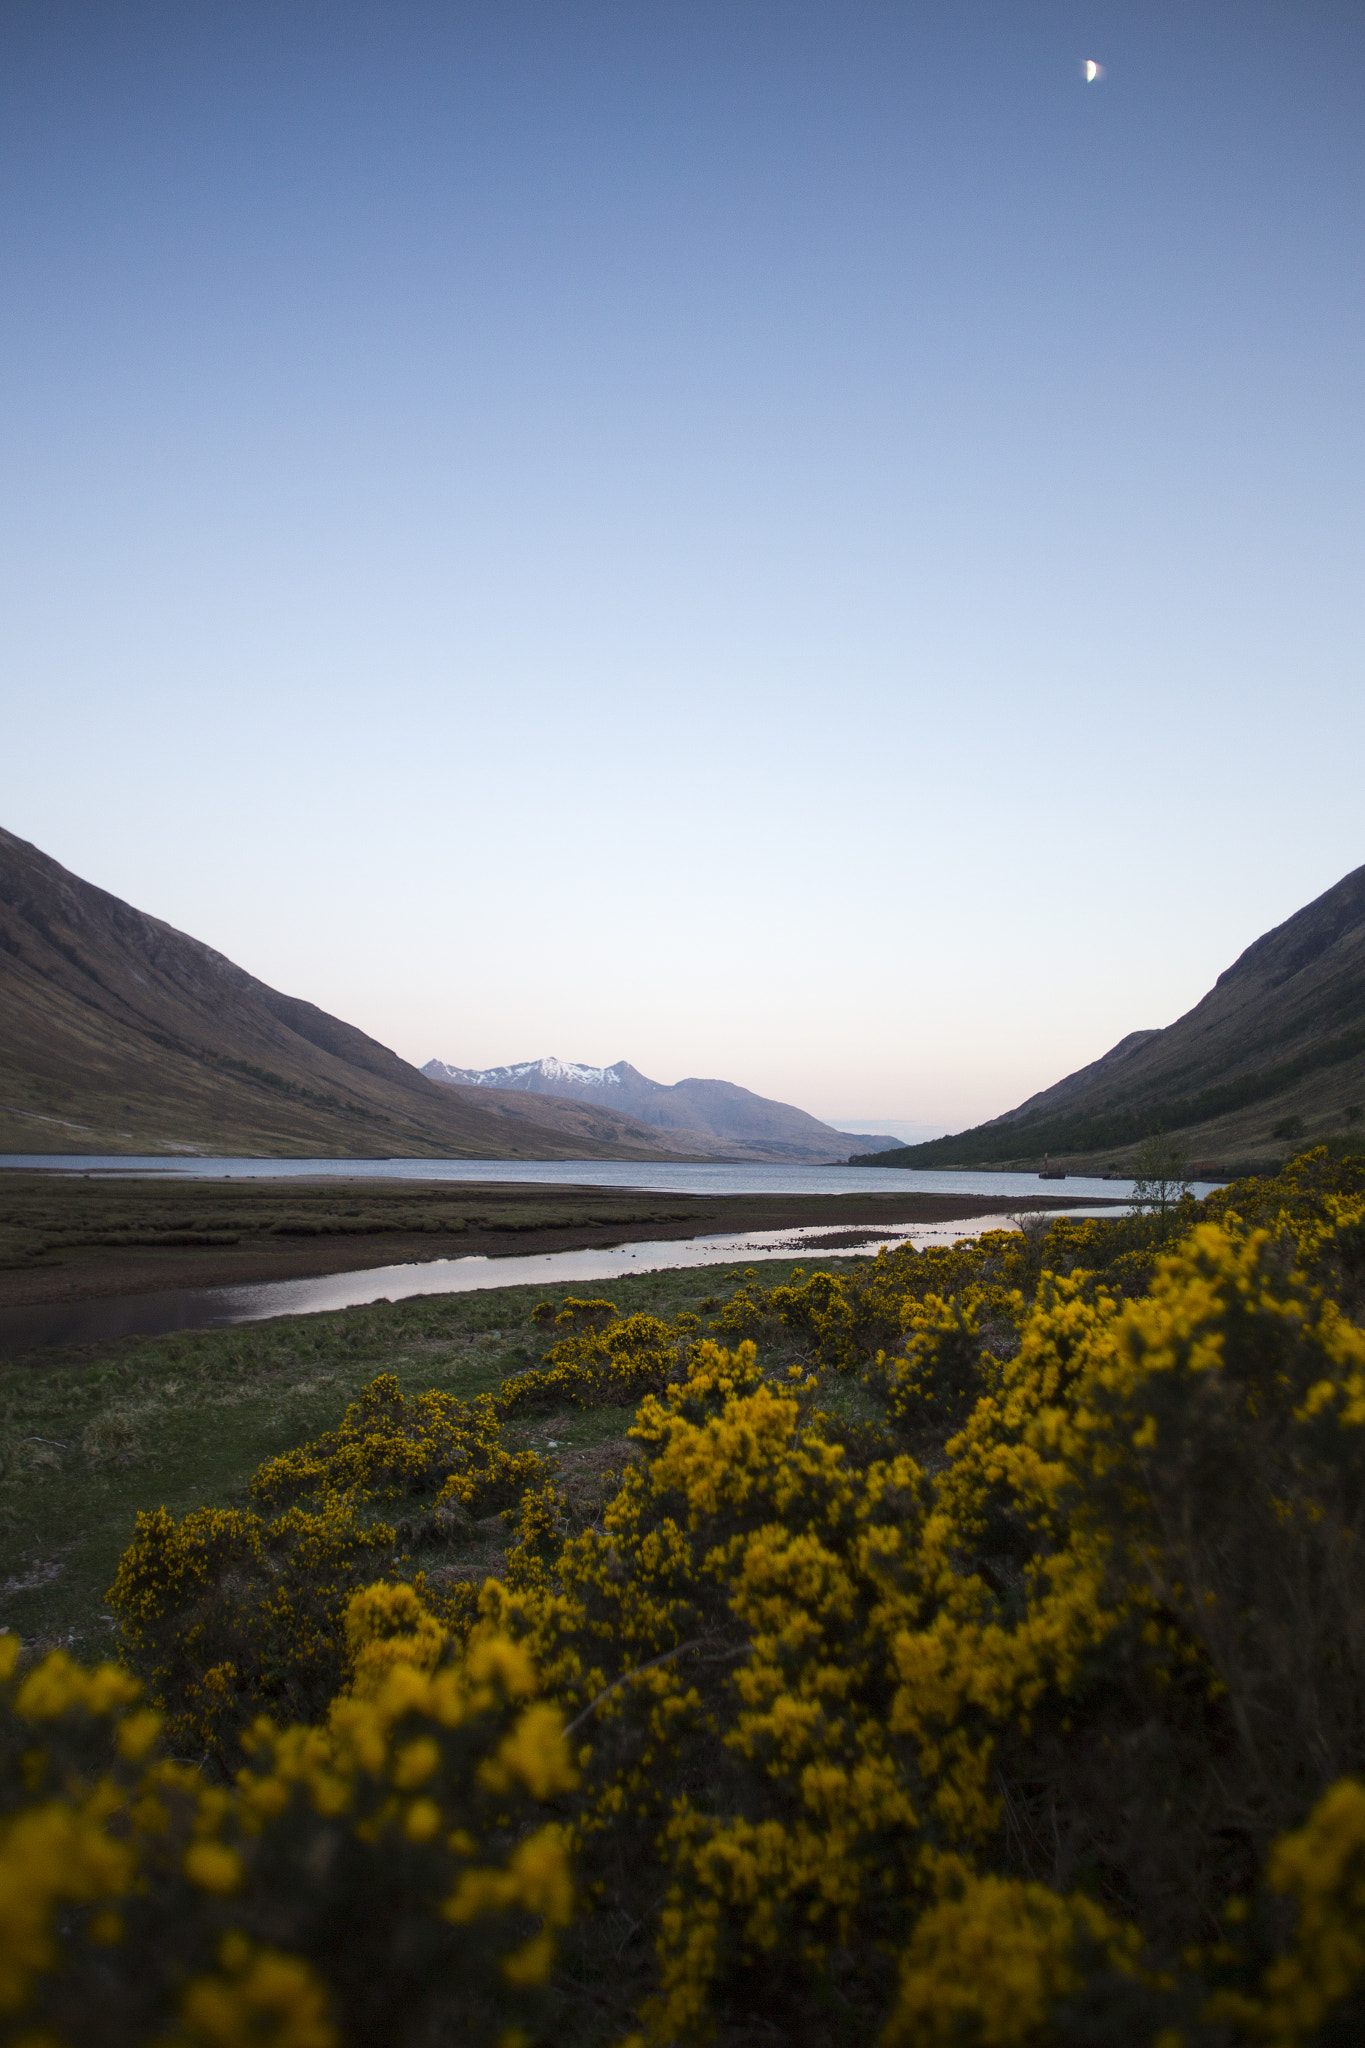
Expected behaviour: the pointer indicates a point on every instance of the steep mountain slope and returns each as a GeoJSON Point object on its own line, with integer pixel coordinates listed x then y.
{"type": "Point", "coordinates": [1272, 1058]}
{"type": "Point", "coordinates": [120, 1034]}
{"type": "Point", "coordinates": [717, 1109]}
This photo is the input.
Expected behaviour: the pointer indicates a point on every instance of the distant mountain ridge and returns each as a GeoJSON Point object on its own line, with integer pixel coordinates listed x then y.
{"type": "Point", "coordinates": [1271, 1059]}
{"type": "Point", "coordinates": [537, 1076]}
{"type": "Point", "coordinates": [719, 1110]}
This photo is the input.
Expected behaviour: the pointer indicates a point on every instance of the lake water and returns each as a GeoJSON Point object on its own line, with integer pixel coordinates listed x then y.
{"type": "Point", "coordinates": [709, 1178]}
{"type": "Point", "coordinates": [24, 1330]}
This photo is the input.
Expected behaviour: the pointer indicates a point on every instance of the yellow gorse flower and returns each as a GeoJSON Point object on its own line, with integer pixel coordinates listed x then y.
{"type": "Point", "coordinates": [975, 1650]}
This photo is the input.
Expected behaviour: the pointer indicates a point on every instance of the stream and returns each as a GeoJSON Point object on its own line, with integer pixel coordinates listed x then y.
{"type": "Point", "coordinates": [58, 1324]}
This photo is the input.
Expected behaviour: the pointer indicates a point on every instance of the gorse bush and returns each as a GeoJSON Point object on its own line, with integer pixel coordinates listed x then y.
{"type": "Point", "coordinates": [387, 1449]}
{"type": "Point", "coordinates": [609, 1363]}
{"type": "Point", "coordinates": [361, 1880]}
{"type": "Point", "coordinates": [951, 1351]}
{"type": "Point", "coordinates": [576, 1315]}
{"type": "Point", "coordinates": [975, 1655]}
{"type": "Point", "coordinates": [228, 1614]}
{"type": "Point", "coordinates": [845, 1320]}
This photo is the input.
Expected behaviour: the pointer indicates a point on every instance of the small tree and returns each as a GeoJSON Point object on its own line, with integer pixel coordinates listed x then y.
{"type": "Point", "coordinates": [1161, 1175]}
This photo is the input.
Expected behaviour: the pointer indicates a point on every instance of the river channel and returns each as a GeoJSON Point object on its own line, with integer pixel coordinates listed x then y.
{"type": "Point", "coordinates": [25, 1331]}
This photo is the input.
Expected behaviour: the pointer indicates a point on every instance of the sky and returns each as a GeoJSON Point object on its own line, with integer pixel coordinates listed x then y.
{"type": "Point", "coordinates": [801, 543]}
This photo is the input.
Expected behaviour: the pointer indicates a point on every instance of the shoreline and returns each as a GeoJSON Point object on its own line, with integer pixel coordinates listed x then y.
{"type": "Point", "coordinates": [94, 1272]}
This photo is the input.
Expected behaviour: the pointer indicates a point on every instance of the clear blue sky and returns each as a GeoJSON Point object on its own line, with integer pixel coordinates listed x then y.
{"type": "Point", "coordinates": [795, 542]}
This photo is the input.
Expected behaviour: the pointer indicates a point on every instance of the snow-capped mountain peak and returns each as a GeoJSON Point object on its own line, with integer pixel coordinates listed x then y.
{"type": "Point", "coordinates": [528, 1073]}
{"type": "Point", "coordinates": [716, 1109]}
{"type": "Point", "coordinates": [574, 1070]}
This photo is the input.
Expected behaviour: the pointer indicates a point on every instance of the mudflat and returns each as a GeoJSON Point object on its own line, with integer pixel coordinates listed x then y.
{"type": "Point", "coordinates": [77, 1238]}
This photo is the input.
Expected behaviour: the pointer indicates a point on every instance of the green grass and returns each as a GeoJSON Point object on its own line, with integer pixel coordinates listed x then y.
{"type": "Point", "coordinates": [183, 1421]}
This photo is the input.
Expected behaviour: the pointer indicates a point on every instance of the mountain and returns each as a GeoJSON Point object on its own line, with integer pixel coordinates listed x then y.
{"type": "Point", "coordinates": [718, 1110]}
{"type": "Point", "coordinates": [1273, 1058]}
{"type": "Point", "coordinates": [120, 1034]}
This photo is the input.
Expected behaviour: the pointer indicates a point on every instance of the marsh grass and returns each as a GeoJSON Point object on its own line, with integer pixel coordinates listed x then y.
{"type": "Point", "coordinates": [47, 1219]}
{"type": "Point", "coordinates": [90, 1437]}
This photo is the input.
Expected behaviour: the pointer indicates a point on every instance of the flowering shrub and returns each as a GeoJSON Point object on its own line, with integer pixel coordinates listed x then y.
{"type": "Point", "coordinates": [754, 1577]}
{"type": "Point", "coordinates": [387, 1448]}
{"type": "Point", "coordinates": [394, 1874]}
{"type": "Point", "coordinates": [995, 1959]}
{"type": "Point", "coordinates": [573, 1314]}
{"type": "Point", "coordinates": [228, 1614]}
{"type": "Point", "coordinates": [610, 1364]}
{"type": "Point", "coordinates": [845, 1319]}
{"type": "Point", "coordinates": [1000, 1665]}
{"type": "Point", "coordinates": [975, 1655]}
{"type": "Point", "coordinates": [945, 1364]}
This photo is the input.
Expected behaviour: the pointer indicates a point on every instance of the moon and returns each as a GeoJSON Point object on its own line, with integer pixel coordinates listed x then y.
{"type": "Point", "coordinates": [1092, 71]}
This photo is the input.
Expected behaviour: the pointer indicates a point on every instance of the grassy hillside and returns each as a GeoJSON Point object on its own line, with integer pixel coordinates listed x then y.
{"type": "Point", "coordinates": [120, 1034]}
{"type": "Point", "coordinates": [1273, 1057]}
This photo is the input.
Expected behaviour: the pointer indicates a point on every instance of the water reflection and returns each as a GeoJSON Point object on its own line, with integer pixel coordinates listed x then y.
{"type": "Point", "coordinates": [24, 1330]}
{"type": "Point", "coordinates": [707, 1178]}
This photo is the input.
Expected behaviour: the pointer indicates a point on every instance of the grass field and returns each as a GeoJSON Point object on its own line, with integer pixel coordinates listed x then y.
{"type": "Point", "coordinates": [90, 1437]}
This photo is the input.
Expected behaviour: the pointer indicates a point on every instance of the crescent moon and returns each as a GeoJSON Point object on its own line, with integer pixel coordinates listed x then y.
{"type": "Point", "coordinates": [1092, 70]}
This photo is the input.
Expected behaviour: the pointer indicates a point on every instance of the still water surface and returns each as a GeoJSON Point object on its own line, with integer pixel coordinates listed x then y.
{"type": "Point", "coordinates": [710, 1178]}
{"type": "Point", "coordinates": [24, 1330]}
